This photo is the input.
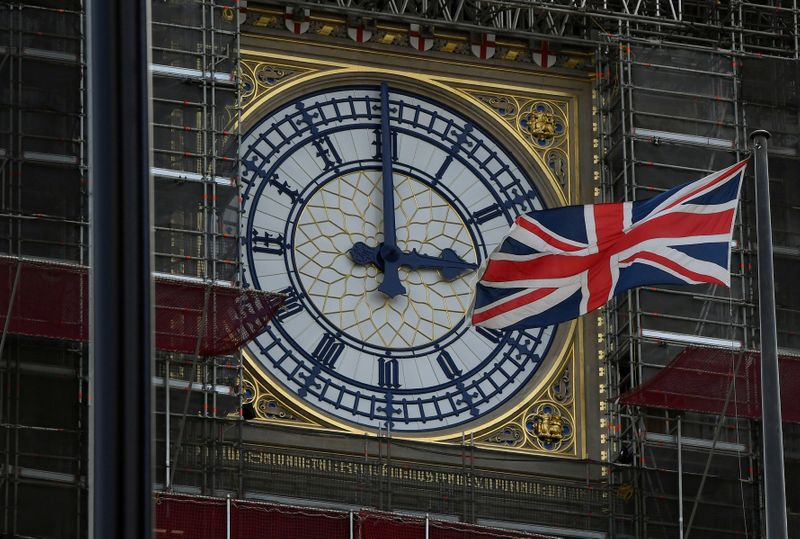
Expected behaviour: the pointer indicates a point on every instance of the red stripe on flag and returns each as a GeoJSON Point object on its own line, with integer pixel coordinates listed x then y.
{"type": "Point", "coordinates": [530, 226]}
{"type": "Point", "coordinates": [736, 168]}
{"type": "Point", "coordinates": [512, 304]}
{"type": "Point", "coordinates": [677, 268]}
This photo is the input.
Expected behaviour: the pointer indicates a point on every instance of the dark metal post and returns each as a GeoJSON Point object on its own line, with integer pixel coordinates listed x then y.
{"type": "Point", "coordinates": [771, 423]}
{"type": "Point", "coordinates": [121, 286]}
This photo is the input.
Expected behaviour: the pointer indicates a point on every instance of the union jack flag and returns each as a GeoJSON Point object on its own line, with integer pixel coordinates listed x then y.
{"type": "Point", "coordinates": [558, 264]}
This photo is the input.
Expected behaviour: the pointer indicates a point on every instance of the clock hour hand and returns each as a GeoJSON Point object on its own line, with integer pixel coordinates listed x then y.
{"type": "Point", "coordinates": [448, 263]}
{"type": "Point", "coordinates": [391, 285]}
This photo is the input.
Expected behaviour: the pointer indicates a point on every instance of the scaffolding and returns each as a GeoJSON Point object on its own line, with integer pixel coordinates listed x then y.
{"type": "Point", "coordinates": [43, 214]}
{"type": "Point", "coordinates": [195, 69]}
{"type": "Point", "coordinates": [669, 115]}
{"type": "Point", "coordinates": [679, 85]}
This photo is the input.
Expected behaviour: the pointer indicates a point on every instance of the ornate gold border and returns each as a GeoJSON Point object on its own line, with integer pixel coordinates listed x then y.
{"type": "Point", "coordinates": [307, 74]}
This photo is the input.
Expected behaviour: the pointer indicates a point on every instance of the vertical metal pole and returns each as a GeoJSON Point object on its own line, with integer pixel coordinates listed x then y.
{"type": "Point", "coordinates": [228, 517]}
{"type": "Point", "coordinates": [120, 431]}
{"type": "Point", "coordinates": [771, 423]}
{"type": "Point", "coordinates": [167, 427]}
{"type": "Point", "coordinates": [680, 482]}
{"type": "Point", "coordinates": [352, 531]}
{"type": "Point", "coordinates": [427, 526]}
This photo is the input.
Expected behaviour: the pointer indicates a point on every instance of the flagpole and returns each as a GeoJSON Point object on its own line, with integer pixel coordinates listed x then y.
{"type": "Point", "coordinates": [771, 423]}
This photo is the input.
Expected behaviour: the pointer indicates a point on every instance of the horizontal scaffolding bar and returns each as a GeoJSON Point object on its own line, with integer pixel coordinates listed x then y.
{"type": "Point", "coordinates": [690, 339]}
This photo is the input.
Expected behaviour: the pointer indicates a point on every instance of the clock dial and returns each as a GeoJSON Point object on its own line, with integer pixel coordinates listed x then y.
{"type": "Point", "coordinates": [371, 208]}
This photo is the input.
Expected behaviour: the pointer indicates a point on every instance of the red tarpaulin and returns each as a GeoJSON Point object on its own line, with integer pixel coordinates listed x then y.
{"type": "Point", "coordinates": [195, 517]}
{"type": "Point", "coordinates": [698, 380]}
{"type": "Point", "coordinates": [51, 300]}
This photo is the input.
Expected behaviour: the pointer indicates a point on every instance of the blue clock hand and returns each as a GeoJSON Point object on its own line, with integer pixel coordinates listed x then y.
{"type": "Point", "coordinates": [449, 264]}
{"type": "Point", "coordinates": [391, 285]}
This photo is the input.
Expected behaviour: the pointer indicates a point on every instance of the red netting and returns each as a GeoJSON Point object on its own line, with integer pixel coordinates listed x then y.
{"type": "Point", "coordinates": [51, 300]}
{"type": "Point", "coordinates": [191, 517]}
{"type": "Point", "coordinates": [698, 380]}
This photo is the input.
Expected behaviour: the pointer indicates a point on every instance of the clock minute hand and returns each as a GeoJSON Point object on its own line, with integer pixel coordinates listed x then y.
{"type": "Point", "coordinates": [390, 254]}
{"type": "Point", "coordinates": [449, 264]}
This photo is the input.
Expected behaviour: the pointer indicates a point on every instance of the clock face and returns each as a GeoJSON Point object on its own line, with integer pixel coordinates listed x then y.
{"type": "Point", "coordinates": [371, 207]}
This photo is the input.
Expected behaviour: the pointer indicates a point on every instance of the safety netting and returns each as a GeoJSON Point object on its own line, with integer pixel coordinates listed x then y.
{"type": "Point", "coordinates": [196, 517]}
{"type": "Point", "coordinates": [701, 380]}
{"type": "Point", "coordinates": [51, 300]}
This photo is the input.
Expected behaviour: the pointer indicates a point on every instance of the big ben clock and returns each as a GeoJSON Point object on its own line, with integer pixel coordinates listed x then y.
{"type": "Point", "coordinates": [370, 204]}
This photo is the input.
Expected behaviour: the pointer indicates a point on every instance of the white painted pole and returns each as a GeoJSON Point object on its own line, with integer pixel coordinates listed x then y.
{"type": "Point", "coordinates": [351, 525]}
{"type": "Point", "coordinates": [228, 517]}
{"type": "Point", "coordinates": [680, 483]}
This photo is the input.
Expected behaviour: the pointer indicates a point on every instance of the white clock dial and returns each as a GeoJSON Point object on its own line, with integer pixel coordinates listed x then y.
{"type": "Point", "coordinates": [372, 217]}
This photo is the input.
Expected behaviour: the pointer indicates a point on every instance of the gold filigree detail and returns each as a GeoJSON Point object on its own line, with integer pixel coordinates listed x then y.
{"type": "Point", "coordinates": [260, 78]}
{"type": "Point", "coordinates": [542, 123]}
{"type": "Point", "coordinates": [268, 407]}
{"type": "Point", "coordinates": [548, 425]}
{"type": "Point", "coordinates": [508, 436]}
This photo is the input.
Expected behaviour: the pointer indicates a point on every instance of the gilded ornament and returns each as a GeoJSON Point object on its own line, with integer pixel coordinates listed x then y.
{"type": "Point", "coordinates": [509, 436]}
{"type": "Point", "coordinates": [270, 408]}
{"type": "Point", "coordinates": [248, 392]}
{"type": "Point", "coordinates": [542, 125]}
{"type": "Point", "coordinates": [548, 427]}
{"type": "Point", "coordinates": [270, 75]}
{"type": "Point", "coordinates": [562, 388]}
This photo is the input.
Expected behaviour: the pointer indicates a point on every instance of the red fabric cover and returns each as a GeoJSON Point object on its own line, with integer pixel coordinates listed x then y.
{"type": "Point", "coordinates": [51, 300]}
{"type": "Point", "coordinates": [194, 517]}
{"type": "Point", "coordinates": [698, 380]}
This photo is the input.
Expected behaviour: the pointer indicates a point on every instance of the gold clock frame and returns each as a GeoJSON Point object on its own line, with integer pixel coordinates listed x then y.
{"type": "Point", "coordinates": [550, 419]}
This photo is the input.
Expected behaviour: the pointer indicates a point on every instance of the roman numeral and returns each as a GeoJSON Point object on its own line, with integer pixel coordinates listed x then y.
{"type": "Point", "coordinates": [388, 373]}
{"type": "Point", "coordinates": [488, 213]}
{"type": "Point", "coordinates": [291, 305]}
{"type": "Point", "coordinates": [327, 152]}
{"type": "Point", "coordinates": [379, 148]}
{"type": "Point", "coordinates": [462, 139]}
{"type": "Point", "coordinates": [267, 243]}
{"type": "Point", "coordinates": [328, 350]}
{"type": "Point", "coordinates": [447, 364]}
{"type": "Point", "coordinates": [492, 335]}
